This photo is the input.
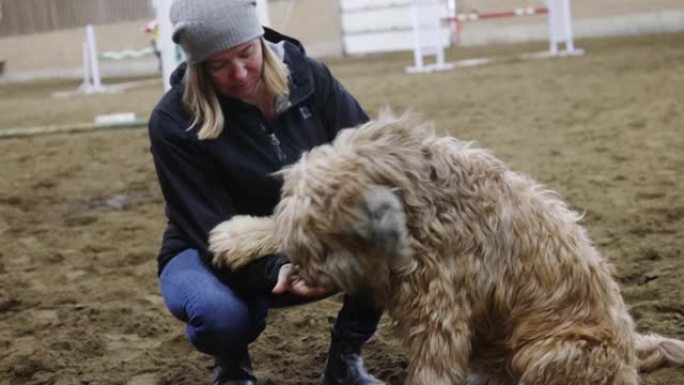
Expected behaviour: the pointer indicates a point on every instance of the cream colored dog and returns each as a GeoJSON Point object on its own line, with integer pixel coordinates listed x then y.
{"type": "Point", "coordinates": [483, 270]}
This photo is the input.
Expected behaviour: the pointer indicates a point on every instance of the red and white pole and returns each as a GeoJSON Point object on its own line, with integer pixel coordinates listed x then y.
{"type": "Point", "coordinates": [475, 16]}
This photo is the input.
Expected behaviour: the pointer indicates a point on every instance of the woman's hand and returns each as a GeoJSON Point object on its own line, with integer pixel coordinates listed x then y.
{"type": "Point", "coordinates": [290, 281]}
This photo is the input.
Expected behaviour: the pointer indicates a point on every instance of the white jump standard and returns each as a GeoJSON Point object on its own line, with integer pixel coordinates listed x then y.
{"type": "Point", "coordinates": [430, 36]}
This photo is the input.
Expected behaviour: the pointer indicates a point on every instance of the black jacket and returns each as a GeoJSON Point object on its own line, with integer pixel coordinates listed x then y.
{"type": "Point", "coordinates": [205, 182]}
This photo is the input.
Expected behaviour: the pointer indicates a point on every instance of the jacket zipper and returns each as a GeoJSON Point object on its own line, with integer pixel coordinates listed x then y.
{"type": "Point", "coordinates": [275, 142]}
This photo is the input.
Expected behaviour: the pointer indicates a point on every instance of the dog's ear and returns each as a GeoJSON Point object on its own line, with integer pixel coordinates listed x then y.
{"type": "Point", "coordinates": [386, 224]}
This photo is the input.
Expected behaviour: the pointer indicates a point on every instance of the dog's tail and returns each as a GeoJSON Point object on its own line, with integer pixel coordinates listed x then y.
{"type": "Point", "coordinates": [655, 351]}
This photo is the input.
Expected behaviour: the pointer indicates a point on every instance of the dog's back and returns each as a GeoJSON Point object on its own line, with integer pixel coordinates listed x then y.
{"type": "Point", "coordinates": [537, 274]}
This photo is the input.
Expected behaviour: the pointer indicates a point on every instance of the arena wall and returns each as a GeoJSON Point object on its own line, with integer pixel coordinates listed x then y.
{"type": "Point", "coordinates": [317, 24]}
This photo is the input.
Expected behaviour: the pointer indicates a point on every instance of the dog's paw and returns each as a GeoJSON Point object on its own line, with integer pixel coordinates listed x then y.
{"type": "Point", "coordinates": [241, 240]}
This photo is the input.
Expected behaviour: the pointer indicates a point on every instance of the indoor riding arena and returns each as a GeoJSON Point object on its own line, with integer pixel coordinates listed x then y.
{"type": "Point", "coordinates": [81, 212]}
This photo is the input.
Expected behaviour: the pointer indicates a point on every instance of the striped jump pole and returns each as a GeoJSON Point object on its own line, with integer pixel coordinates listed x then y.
{"type": "Point", "coordinates": [459, 18]}
{"type": "Point", "coordinates": [428, 35]}
{"type": "Point", "coordinates": [474, 16]}
{"type": "Point", "coordinates": [559, 20]}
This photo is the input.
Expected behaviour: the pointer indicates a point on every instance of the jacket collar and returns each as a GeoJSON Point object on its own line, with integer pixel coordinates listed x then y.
{"type": "Point", "coordinates": [301, 78]}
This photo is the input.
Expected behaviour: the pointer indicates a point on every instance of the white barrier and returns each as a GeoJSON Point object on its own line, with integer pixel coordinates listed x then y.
{"type": "Point", "coordinates": [374, 26]}
{"type": "Point", "coordinates": [559, 20]}
{"type": "Point", "coordinates": [127, 54]}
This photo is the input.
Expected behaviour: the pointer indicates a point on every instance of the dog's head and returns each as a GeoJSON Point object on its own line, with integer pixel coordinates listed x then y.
{"type": "Point", "coordinates": [352, 244]}
{"type": "Point", "coordinates": [341, 217]}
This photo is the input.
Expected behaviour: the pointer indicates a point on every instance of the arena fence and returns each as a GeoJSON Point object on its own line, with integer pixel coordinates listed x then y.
{"type": "Point", "coordinates": [21, 17]}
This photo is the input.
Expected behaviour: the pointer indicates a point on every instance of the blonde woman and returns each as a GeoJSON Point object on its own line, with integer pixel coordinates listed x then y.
{"type": "Point", "coordinates": [246, 103]}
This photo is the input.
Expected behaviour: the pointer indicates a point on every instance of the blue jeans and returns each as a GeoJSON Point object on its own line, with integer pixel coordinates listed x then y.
{"type": "Point", "coordinates": [222, 323]}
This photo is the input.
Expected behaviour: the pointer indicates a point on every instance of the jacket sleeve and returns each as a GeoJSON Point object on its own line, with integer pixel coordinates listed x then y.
{"type": "Point", "coordinates": [195, 199]}
{"type": "Point", "coordinates": [339, 108]}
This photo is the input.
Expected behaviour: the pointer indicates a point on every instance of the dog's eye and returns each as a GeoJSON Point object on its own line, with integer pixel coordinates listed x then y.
{"type": "Point", "coordinates": [325, 250]}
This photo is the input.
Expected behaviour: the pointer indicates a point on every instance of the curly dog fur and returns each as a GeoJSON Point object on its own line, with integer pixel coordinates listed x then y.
{"type": "Point", "coordinates": [487, 275]}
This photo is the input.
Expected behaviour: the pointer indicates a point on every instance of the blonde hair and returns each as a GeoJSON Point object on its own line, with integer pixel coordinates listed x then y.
{"type": "Point", "coordinates": [200, 99]}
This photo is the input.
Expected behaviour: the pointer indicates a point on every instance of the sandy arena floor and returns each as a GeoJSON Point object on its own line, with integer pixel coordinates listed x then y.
{"type": "Point", "coordinates": [81, 215]}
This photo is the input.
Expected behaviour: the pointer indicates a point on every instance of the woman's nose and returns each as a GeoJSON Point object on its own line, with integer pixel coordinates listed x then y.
{"type": "Point", "coordinates": [239, 71]}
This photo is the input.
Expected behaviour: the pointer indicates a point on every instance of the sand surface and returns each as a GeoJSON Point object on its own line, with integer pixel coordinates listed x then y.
{"type": "Point", "coordinates": [81, 214]}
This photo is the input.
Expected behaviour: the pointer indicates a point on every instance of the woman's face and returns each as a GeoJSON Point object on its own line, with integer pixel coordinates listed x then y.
{"type": "Point", "coordinates": [236, 72]}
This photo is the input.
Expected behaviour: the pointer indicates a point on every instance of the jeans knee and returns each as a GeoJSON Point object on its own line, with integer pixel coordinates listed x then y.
{"type": "Point", "coordinates": [224, 332]}
{"type": "Point", "coordinates": [219, 321]}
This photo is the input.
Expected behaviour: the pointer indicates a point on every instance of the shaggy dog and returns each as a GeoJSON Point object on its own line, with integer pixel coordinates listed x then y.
{"type": "Point", "coordinates": [486, 274]}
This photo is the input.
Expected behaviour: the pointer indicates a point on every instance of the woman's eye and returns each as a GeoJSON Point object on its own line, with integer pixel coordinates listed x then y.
{"type": "Point", "coordinates": [216, 66]}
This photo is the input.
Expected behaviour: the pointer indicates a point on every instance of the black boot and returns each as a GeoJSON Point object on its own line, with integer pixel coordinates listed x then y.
{"type": "Point", "coordinates": [229, 372]}
{"type": "Point", "coordinates": [345, 365]}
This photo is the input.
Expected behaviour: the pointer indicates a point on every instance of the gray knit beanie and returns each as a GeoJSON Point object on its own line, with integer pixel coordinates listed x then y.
{"type": "Point", "coordinates": [204, 27]}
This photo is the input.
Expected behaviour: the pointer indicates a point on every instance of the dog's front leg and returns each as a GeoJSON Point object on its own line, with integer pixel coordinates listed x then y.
{"type": "Point", "coordinates": [242, 239]}
{"type": "Point", "coordinates": [438, 355]}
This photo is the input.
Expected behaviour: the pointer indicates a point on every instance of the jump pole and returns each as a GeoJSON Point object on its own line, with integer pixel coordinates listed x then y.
{"type": "Point", "coordinates": [87, 84]}
{"type": "Point", "coordinates": [427, 39]}
{"type": "Point", "coordinates": [169, 57]}
{"type": "Point", "coordinates": [567, 23]}
{"type": "Point", "coordinates": [560, 32]}
{"type": "Point", "coordinates": [474, 16]}
{"type": "Point", "coordinates": [559, 24]}
{"type": "Point", "coordinates": [92, 82]}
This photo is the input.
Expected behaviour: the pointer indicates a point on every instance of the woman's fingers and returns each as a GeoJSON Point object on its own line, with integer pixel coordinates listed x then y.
{"type": "Point", "coordinates": [289, 281]}
{"type": "Point", "coordinates": [283, 279]}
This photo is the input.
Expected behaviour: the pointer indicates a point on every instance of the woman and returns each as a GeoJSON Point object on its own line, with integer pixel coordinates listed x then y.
{"type": "Point", "coordinates": [246, 103]}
